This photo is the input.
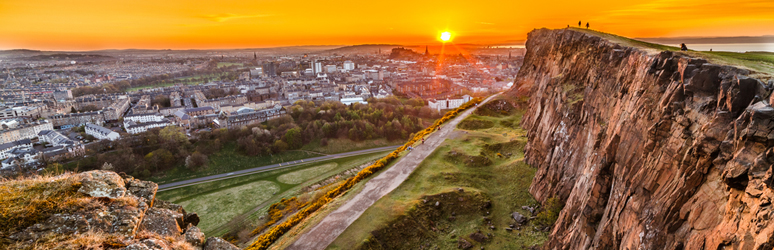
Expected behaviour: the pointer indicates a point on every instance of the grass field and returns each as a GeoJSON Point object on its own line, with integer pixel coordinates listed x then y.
{"type": "Point", "coordinates": [219, 207]}
{"type": "Point", "coordinates": [761, 62]}
{"type": "Point", "coordinates": [505, 183]}
{"type": "Point", "coordinates": [219, 201]}
{"type": "Point", "coordinates": [229, 160]}
{"type": "Point", "coordinates": [300, 176]}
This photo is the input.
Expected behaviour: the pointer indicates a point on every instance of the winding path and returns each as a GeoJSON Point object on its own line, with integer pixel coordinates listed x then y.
{"type": "Point", "coordinates": [324, 233]}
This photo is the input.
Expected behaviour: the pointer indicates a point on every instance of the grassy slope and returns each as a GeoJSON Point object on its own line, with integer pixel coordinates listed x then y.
{"type": "Point", "coordinates": [250, 209]}
{"type": "Point", "coordinates": [760, 62]}
{"type": "Point", "coordinates": [506, 183]}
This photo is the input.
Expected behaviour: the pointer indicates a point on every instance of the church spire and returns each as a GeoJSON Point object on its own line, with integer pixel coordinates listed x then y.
{"type": "Point", "coordinates": [427, 52]}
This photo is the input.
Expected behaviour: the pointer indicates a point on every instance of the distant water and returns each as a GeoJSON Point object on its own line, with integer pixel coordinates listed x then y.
{"type": "Point", "coordinates": [732, 47]}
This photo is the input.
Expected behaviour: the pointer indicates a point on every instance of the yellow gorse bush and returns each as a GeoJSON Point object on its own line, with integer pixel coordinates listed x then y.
{"type": "Point", "coordinates": [265, 240]}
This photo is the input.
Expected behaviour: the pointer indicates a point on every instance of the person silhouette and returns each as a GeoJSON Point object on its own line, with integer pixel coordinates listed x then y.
{"type": "Point", "coordinates": [587, 25]}
{"type": "Point", "coordinates": [683, 47]}
{"type": "Point", "coordinates": [579, 24]}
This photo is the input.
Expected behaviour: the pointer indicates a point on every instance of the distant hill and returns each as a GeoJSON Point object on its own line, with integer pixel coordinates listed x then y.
{"type": "Point", "coordinates": [361, 49]}
{"type": "Point", "coordinates": [73, 57]}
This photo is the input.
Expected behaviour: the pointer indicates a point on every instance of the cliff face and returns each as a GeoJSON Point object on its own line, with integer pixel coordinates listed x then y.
{"type": "Point", "coordinates": [647, 150]}
{"type": "Point", "coordinates": [95, 210]}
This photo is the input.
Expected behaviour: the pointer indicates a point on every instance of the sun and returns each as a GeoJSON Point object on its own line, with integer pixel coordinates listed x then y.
{"type": "Point", "coordinates": [445, 36]}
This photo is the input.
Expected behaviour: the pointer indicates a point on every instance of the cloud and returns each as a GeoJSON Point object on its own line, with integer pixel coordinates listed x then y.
{"type": "Point", "coordinates": [223, 17]}
{"type": "Point", "coordinates": [485, 23]}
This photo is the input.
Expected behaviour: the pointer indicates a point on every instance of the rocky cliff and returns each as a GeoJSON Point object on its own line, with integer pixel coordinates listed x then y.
{"type": "Point", "coordinates": [95, 210]}
{"type": "Point", "coordinates": [647, 149]}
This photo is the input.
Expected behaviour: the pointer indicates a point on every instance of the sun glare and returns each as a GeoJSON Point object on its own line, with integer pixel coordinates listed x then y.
{"type": "Point", "coordinates": [445, 36]}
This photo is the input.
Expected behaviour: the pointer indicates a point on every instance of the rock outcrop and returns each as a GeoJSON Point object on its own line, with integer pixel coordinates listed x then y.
{"type": "Point", "coordinates": [647, 149]}
{"type": "Point", "coordinates": [108, 211]}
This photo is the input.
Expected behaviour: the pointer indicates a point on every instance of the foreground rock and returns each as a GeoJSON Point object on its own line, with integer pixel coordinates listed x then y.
{"type": "Point", "coordinates": [108, 211]}
{"type": "Point", "coordinates": [647, 150]}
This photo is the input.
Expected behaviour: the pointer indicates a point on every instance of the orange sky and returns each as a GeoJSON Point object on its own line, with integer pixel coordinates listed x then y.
{"type": "Point", "coordinates": [182, 24]}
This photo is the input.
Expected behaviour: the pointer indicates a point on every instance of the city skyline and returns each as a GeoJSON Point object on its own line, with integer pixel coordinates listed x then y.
{"type": "Point", "coordinates": [94, 25]}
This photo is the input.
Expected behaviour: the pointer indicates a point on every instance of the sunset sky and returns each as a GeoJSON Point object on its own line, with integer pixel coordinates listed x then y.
{"type": "Point", "coordinates": [179, 24]}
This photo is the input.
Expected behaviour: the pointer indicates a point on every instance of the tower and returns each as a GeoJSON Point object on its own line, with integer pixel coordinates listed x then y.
{"type": "Point", "coordinates": [427, 52]}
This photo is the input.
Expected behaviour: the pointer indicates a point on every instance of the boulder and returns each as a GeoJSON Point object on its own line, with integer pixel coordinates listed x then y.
{"type": "Point", "coordinates": [102, 184]}
{"type": "Point", "coordinates": [519, 218]}
{"type": "Point", "coordinates": [191, 218]}
{"type": "Point", "coordinates": [194, 236]}
{"type": "Point", "coordinates": [463, 244]}
{"type": "Point", "coordinates": [477, 236]}
{"type": "Point", "coordinates": [162, 222]}
{"type": "Point", "coordinates": [144, 189]}
{"type": "Point", "coordinates": [215, 243]}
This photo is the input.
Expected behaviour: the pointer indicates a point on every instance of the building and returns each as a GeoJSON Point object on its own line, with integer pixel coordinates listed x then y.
{"type": "Point", "coordinates": [101, 133]}
{"type": "Point", "coordinates": [247, 116]}
{"type": "Point", "coordinates": [184, 117]}
{"type": "Point", "coordinates": [117, 109]}
{"type": "Point", "coordinates": [6, 148]}
{"type": "Point", "coordinates": [256, 72]}
{"type": "Point", "coordinates": [330, 68]}
{"type": "Point", "coordinates": [22, 111]}
{"type": "Point", "coordinates": [448, 103]}
{"type": "Point", "coordinates": [136, 128]}
{"type": "Point", "coordinates": [77, 119]}
{"type": "Point", "coordinates": [55, 138]}
{"type": "Point", "coordinates": [21, 156]}
{"type": "Point", "coordinates": [142, 118]}
{"type": "Point", "coordinates": [63, 95]}
{"type": "Point", "coordinates": [175, 100]}
{"type": "Point", "coordinates": [351, 100]}
{"type": "Point", "coordinates": [318, 67]}
{"type": "Point", "coordinates": [270, 69]}
{"type": "Point", "coordinates": [349, 65]}
{"type": "Point", "coordinates": [23, 131]}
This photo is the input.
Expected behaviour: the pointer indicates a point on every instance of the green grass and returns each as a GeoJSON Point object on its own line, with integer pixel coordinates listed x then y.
{"type": "Point", "coordinates": [229, 160]}
{"type": "Point", "coordinates": [300, 176]}
{"type": "Point", "coordinates": [219, 207]}
{"type": "Point", "coordinates": [336, 146]}
{"type": "Point", "coordinates": [505, 183]}
{"type": "Point", "coordinates": [249, 209]}
{"type": "Point", "coordinates": [760, 62]}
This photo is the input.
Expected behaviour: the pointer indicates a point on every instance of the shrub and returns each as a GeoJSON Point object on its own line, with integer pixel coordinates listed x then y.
{"type": "Point", "coordinates": [550, 213]}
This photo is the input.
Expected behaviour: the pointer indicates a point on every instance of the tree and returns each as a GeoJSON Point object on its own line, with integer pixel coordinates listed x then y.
{"type": "Point", "coordinates": [294, 138]}
{"type": "Point", "coordinates": [160, 159]}
{"type": "Point", "coordinates": [196, 161]}
{"type": "Point", "coordinates": [173, 134]}
{"type": "Point", "coordinates": [72, 110]}
{"type": "Point", "coordinates": [279, 146]}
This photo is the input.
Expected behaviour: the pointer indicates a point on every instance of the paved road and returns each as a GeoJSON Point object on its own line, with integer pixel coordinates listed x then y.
{"type": "Point", "coordinates": [218, 177]}
{"type": "Point", "coordinates": [324, 233]}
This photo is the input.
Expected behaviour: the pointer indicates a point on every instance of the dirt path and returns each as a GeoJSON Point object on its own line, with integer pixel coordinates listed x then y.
{"type": "Point", "coordinates": [321, 235]}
